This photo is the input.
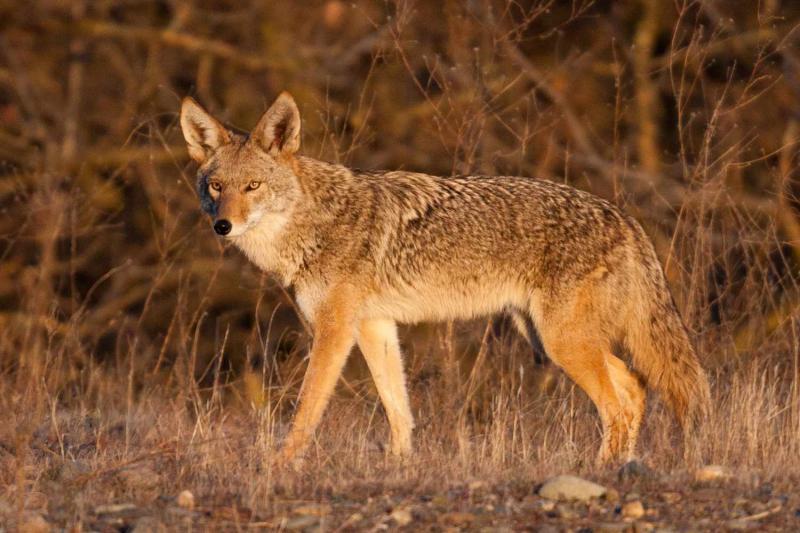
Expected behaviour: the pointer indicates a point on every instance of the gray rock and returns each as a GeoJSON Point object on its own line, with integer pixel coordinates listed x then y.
{"type": "Point", "coordinates": [570, 488]}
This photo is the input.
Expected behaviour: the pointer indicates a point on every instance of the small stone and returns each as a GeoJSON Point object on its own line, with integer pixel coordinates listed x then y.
{"type": "Point", "coordinates": [34, 523]}
{"type": "Point", "coordinates": [185, 499]}
{"type": "Point", "coordinates": [711, 473]}
{"type": "Point", "coordinates": [570, 488]}
{"type": "Point", "coordinates": [633, 510]}
{"type": "Point", "coordinates": [402, 516]}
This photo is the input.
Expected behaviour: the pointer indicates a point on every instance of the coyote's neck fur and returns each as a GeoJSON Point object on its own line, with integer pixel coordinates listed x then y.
{"type": "Point", "coordinates": [285, 244]}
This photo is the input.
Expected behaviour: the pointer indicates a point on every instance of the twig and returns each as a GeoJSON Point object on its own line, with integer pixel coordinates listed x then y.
{"type": "Point", "coordinates": [184, 41]}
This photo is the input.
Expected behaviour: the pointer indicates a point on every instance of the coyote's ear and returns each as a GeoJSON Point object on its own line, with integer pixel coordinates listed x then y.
{"type": "Point", "coordinates": [203, 133]}
{"type": "Point", "coordinates": [278, 130]}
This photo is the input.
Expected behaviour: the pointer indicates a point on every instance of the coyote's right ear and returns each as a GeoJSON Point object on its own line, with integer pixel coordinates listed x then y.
{"type": "Point", "coordinates": [278, 129]}
{"type": "Point", "coordinates": [203, 133]}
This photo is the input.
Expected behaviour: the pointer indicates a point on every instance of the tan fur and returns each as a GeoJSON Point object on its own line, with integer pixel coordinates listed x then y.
{"type": "Point", "coordinates": [366, 250]}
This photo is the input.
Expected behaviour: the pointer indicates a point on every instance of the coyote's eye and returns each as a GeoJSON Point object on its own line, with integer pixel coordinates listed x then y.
{"type": "Point", "coordinates": [253, 185]}
{"type": "Point", "coordinates": [215, 185]}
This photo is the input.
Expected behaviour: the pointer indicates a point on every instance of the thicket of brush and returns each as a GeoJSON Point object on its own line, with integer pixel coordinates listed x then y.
{"type": "Point", "coordinates": [127, 330]}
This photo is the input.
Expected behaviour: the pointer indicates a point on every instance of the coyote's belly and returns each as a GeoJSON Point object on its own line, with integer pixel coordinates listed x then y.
{"type": "Point", "coordinates": [446, 300]}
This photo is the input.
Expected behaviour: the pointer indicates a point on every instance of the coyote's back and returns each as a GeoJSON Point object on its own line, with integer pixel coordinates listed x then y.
{"type": "Point", "coordinates": [365, 250]}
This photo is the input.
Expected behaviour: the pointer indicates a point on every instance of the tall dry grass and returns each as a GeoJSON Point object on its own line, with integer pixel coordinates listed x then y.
{"type": "Point", "coordinates": [132, 339]}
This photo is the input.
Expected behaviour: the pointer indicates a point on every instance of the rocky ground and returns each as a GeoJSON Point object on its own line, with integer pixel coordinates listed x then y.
{"type": "Point", "coordinates": [634, 499]}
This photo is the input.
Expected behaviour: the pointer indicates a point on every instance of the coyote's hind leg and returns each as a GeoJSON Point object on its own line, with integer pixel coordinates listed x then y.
{"type": "Point", "coordinates": [574, 343]}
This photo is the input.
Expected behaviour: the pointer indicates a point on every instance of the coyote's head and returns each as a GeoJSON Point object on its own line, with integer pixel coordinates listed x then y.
{"type": "Point", "coordinates": [245, 180]}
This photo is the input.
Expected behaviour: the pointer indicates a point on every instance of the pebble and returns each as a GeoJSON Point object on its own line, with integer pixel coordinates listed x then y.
{"type": "Point", "coordinates": [402, 516]}
{"type": "Point", "coordinates": [633, 510]}
{"type": "Point", "coordinates": [185, 499]}
{"type": "Point", "coordinates": [570, 488]}
{"type": "Point", "coordinates": [711, 473]}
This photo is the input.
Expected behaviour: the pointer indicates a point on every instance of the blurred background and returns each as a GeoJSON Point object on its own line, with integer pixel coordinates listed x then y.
{"type": "Point", "coordinates": [683, 113]}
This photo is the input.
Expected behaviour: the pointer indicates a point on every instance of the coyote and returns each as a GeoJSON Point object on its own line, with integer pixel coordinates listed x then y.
{"type": "Point", "coordinates": [367, 250]}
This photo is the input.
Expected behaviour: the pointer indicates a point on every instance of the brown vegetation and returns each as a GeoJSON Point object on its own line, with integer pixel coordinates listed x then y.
{"type": "Point", "coordinates": [132, 342]}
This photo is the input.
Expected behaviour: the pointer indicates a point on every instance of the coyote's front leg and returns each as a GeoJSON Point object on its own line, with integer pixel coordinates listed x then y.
{"type": "Point", "coordinates": [334, 334]}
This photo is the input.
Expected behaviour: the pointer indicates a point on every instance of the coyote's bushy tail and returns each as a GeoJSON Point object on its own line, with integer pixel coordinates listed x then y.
{"type": "Point", "coordinates": [661, 350]}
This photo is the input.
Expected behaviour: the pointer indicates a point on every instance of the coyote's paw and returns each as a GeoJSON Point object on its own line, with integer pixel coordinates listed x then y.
{"type": "Point", "coordinates": [290, 457]}
{"type": "Point", "coordinates": [285, 462]}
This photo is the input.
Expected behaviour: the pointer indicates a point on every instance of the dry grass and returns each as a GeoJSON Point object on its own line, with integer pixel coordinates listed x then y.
{"type": "Point", "coordinates": [139, 358]}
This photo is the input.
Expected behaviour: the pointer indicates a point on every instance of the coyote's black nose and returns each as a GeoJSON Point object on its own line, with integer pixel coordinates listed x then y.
{"type": "Point", "coordinates": [222, 227]}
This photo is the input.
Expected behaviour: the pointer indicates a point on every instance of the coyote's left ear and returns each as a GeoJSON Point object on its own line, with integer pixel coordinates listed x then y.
{"type": "Point", "coordinates": [278, 130]}
{"type": "Point", "coordinates": [203, 133]}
